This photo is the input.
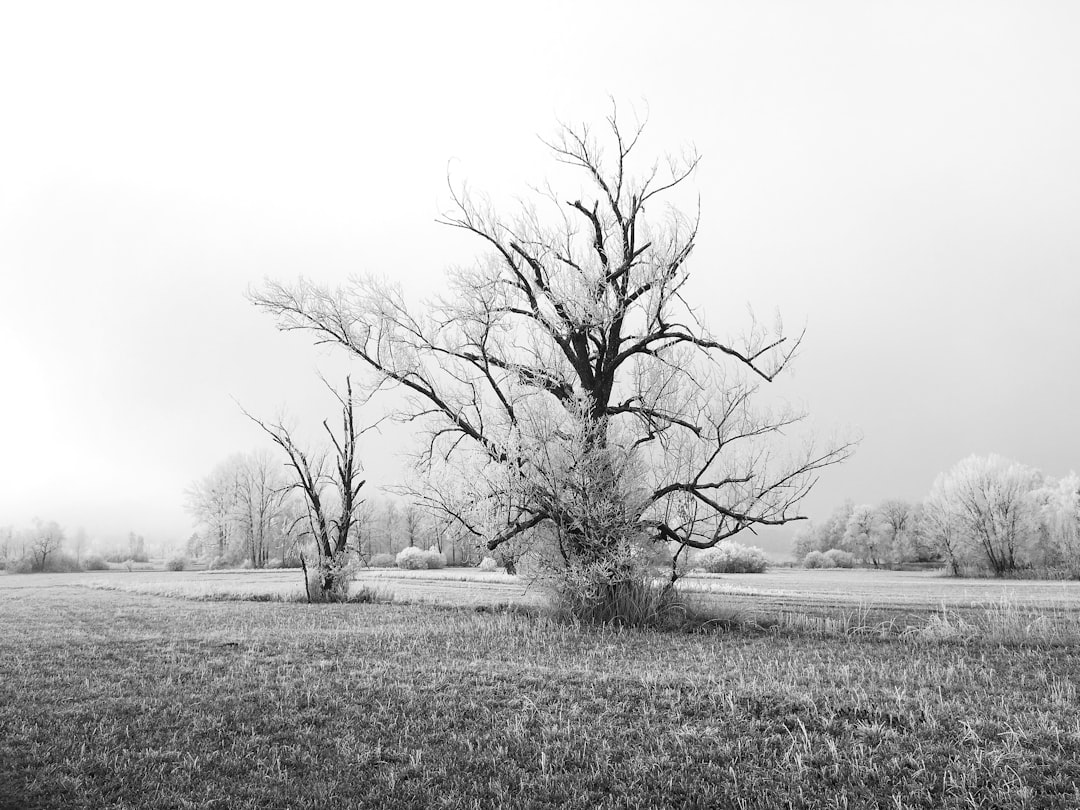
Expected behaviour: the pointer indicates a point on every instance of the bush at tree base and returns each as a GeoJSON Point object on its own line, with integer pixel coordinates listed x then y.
{"type": "Point", "coordinates": [20, 566]}
{"type": "Point", "coordinates": [488, 564]}
{"type": "Point", "coordinates": [178, 563]}
{"type": "Point", "coordinates": [382, 561]}
{"type": "Point", "coordinates": [329, 580]}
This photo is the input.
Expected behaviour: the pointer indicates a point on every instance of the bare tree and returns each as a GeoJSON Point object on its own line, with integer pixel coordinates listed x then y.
{"type": "Point", "coordinates": [829, 534]}
{"type": "Point", "coordinates": [78, 544]}
{"type": "Point", "coordinates": [291, 527]}
{"type": "Point", "coordinates": [573, 329]}
{"type": "Point", "coordinates": [903, 525]}
{"type": "Point", "coordinates": [896, 517]}
{"type": "Point", "coordinates": [260, 493]}
{"type": "Point", "coordinates": [919, 545]}
{"type": "Point", "coordinates": [412, 520]}
{"type": "Point", "coordinates": [391, 522]}
{"type": "Point", "coordinates": [46, 539]}
{"type": "Point", "coordinates": [865, 535]}
{"type": "Point", "coordinates": [943, 527]}
{"type": "Point", "coordinates": [7, 544]}
{"type": "Point", "coordinates": [363, 531]}
{"type": "Point", "coordinates": [984, 508]}
{"type": "Point", "coordinates": [331, 489]}
{"type": "Point", "coordinates": [137, 547]}
{"type": "Point", "coordinates": [212, 501]}
{"type": "Point", "coordinates": [1059, 506]}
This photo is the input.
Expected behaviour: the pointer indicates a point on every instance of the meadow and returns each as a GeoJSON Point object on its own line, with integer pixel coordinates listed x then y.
{"type": "Point", "coordinates": [154, 689]}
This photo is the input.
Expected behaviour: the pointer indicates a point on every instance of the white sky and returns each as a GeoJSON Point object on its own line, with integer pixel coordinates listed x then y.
{"type": "Point", "coordinates": [904, 177]}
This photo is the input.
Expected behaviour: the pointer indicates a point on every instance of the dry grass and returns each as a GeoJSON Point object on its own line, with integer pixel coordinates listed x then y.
{"type": "Point", "coordinates": [119, 699]}
{"type": "Point", "coordinates": [893, 589]}
{"type": "Point", "coordinates": [455, 586]}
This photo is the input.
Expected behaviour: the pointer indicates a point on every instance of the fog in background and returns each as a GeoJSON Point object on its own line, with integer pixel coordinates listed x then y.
{"type": "Point", "coordinates": [902, 178]}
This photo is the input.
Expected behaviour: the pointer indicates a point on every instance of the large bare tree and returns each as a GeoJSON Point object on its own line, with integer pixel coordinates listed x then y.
{"type": "Point", "coordinates": [568, 372]}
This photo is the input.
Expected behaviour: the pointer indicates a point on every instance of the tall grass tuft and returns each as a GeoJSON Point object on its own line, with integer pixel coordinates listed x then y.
{"type": "Point", "coordinates": [639, 601]}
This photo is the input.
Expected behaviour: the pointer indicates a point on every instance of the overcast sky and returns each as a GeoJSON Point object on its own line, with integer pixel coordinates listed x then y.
{"type": "Point", "coordinates": [902, 177]}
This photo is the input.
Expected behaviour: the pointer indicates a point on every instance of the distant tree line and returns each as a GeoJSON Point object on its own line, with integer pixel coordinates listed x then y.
{"type": "Point", "coordinates": [249, 511]}
{"type": "Point", "coordinates": [986, 515]}
{"type": "Point", "coordinates": [46, 547]}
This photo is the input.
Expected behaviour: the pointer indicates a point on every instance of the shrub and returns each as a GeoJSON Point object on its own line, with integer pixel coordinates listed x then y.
{"type": "Point", "coordinates": [435, 558]}
{"type": "Point", "coordinates": [488, 564]}
{"type": "Point", "coordinates": [732, 558]}
{"type": "Point", "coordinates": [382, 561]}
{"type": "Point", "coordinates": [411, 559]}
{"type": "Point", "coordinates": [333, 572]}
{"type": "Point", "coordinates": [177, 563]}
{"type": "Point", "coordinates": [221, 562]}
{"type": "Point", "coordinates": [840, 559]}
{"type": "Point", "coordinates": [61, 564]}
{"type": "Point", "coordinates": [818, 559]}
{"type": "Point", "coordinates": [20, 566]}
{"type": "Point", "coordinates": [273, 563]}
{"type": "Point", "coordinates": [292, 562]}
{"type": "Point", "coordinates": [95, 562]}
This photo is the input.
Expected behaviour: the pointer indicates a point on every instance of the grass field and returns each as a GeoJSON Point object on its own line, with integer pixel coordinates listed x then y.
{"type": "Point", "coordinates": [890, 601]}
{"type": "Point", "coordinates": [450, 586]}
{"type": "Point", "coordinates": [111, 697]}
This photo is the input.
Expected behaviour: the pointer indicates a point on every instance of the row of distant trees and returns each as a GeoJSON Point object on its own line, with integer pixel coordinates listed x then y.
{"type": "Point", "coordinates": [33, 548]}
{"type": "Point", "coordinates": [250, 510]}
{"type": "Point", "coordinates": [45, 546]}
{"type": "Point", "coordinates": [985, 514]}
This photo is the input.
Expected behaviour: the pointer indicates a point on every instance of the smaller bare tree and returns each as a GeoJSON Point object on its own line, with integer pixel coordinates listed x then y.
{"type": "Point", "coordinates": [331, 490]}
{"type": "Point", "coordinates": [7, 542]}
{"type": "Point", "coordinates": [47, 539]}
{"type": "Point", "coordinates": [413, 523]}
{"type": "Point", "coordinates": [79, 543]}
